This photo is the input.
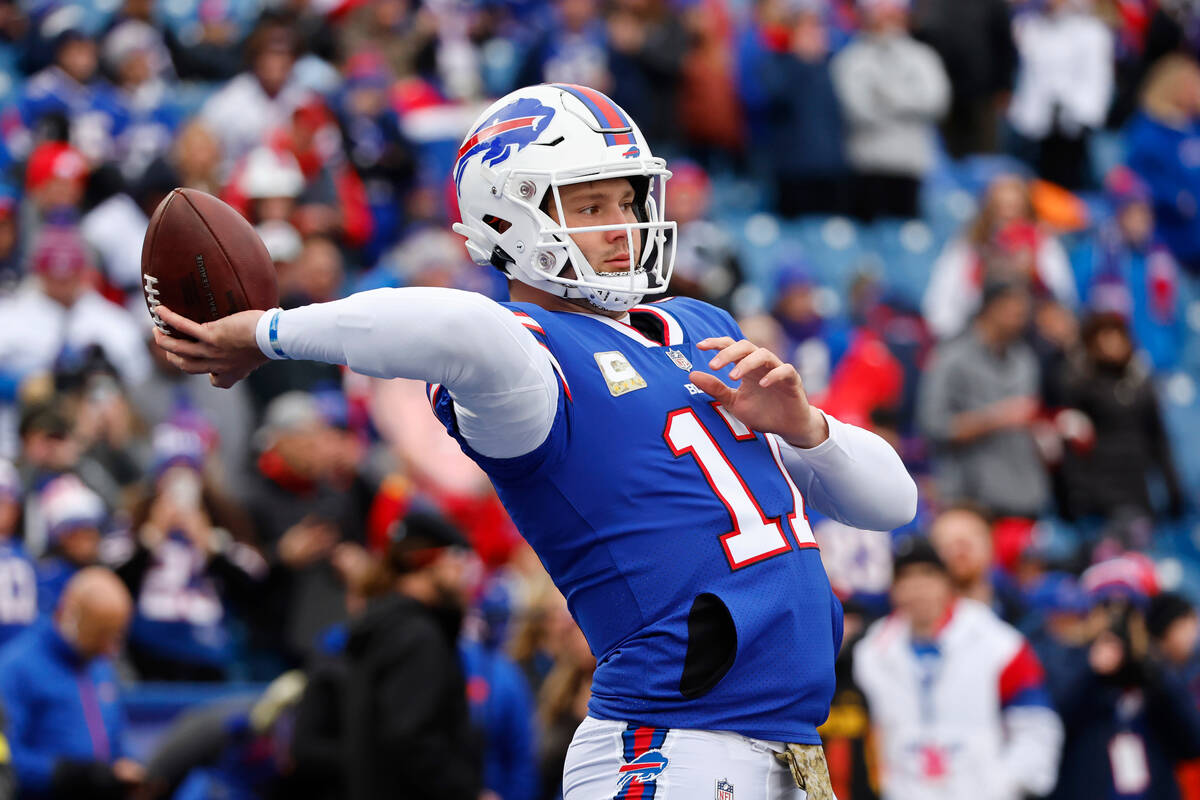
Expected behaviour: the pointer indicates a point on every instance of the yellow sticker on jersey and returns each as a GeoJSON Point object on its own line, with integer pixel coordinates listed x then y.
{"type": "Point", "coordinates": [618, 373]}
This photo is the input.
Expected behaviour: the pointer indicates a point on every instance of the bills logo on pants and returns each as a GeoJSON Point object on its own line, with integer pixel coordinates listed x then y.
{"type": "Point", "coordinates": [644, 762]}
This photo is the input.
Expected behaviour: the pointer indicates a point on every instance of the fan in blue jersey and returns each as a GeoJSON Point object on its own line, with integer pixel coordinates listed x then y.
{"type": "Point", "coordinates": [667, 505]}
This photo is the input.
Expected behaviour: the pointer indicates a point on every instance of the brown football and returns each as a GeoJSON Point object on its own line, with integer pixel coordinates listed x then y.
{"type": "Point", "coordinates": [201, 258]}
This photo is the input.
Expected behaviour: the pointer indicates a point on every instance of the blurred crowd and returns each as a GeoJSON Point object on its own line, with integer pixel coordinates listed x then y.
{"type": "Point", "coordinates": [315, 532]}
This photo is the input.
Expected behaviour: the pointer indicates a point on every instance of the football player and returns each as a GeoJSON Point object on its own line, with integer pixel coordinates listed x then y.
{"type": "Point", "coordinates": [666, 504]}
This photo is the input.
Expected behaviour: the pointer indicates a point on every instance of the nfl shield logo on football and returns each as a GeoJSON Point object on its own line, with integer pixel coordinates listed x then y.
{"type": "Point", "coordinates": [724, 790]}
{"type": "Point", "coordinates": [680, 360]}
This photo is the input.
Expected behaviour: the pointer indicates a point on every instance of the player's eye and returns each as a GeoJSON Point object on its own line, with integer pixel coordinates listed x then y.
{"type": "Point", "coordinates": [589, 211]}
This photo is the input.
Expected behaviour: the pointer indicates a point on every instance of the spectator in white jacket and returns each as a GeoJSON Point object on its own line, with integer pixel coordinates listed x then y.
{"type": "Point", "coordinates": [259, 100]}
{"type": "Point", "coordinates": [893, 91]}
{"type": "Point", "coordinates": [957, 697]}
{"type": "Point", "coordinates": [1004, 242]}
{"type": "Point", "coordinates": [1064, 87]}
{"type": "Point", "coordinates": [56, 310]}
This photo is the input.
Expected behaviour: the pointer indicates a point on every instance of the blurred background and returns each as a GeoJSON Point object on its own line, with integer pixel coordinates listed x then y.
{"type": "Point", "coordinates": [972, 225]}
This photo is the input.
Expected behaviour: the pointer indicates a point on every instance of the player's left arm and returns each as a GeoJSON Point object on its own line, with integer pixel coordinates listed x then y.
{"type": "Point", "coordinates": [845, 472]}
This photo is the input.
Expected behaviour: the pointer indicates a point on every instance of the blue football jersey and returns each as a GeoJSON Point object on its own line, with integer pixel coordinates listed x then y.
{"type": "Point", "coordinates": [675, 533]}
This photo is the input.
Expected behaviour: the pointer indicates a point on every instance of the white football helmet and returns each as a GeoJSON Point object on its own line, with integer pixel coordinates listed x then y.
{"type": "Point", "coordinates": [535, 140]}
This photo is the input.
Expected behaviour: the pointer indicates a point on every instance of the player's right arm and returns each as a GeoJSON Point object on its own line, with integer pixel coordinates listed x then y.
{"type": "Point", "coordinates": [502, 381]}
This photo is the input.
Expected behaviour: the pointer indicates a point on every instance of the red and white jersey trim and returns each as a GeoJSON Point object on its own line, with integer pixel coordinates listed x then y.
{"type": "Point", "coordinates": [528, 322]}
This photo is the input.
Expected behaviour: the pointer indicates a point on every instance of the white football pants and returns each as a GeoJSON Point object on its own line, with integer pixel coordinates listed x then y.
{"type": "Point", "coordinates": [618, 761]}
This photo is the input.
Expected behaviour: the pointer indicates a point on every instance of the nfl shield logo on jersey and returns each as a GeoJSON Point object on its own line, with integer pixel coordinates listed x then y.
{"type": "Point", "coordinates": [679, 359]}
{"type": "Point", "coordinates": [724, 790]}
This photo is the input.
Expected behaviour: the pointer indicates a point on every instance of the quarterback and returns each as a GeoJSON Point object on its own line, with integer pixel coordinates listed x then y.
{"type": "Point", "coordinates": [657, 462]}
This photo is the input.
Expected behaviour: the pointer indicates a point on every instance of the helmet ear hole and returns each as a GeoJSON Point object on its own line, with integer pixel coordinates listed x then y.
{"type": "Point", "coordinates": [496, 223]}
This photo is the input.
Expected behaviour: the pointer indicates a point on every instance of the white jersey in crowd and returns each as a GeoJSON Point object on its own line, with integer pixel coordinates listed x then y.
{"type": "Point", "coordinates": [964, 716]}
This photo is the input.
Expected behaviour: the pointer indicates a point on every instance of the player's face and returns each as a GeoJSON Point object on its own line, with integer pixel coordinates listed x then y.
{"type": "Point", "coordinates": [605, 202]}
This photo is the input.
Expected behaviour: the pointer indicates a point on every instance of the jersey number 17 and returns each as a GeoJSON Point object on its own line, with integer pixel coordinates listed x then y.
{"type": "Point", "coordinates": [754, 537]}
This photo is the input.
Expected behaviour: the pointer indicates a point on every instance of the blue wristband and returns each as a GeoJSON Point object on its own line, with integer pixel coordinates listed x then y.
{"type": "Point", "coordinates": [273, 336]}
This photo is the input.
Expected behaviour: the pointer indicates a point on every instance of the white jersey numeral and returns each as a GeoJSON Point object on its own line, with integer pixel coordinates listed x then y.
{"type": "Point", "coordinates": [754, 537]}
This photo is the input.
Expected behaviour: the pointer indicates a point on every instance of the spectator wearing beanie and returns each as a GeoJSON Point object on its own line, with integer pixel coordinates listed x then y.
{"type": "Point", "coordinates": [61, 309]}
{"type": "Point", "coordinates": [73, 515]}
{"type": "Point", "coordinates": [300, 516]}
{"type": "Point", "coordinates": [500, 700]}
{"type": "Point", "coordinates": [405, 709]}
{"type": "Point", "coordinates": [1127, 270]}
{"type": "Point", "coordinates": [186, 573]}
{"type": "Point", "coordinates": [1129, 721]}
{"type": "Point", "coordinates": [1115, 391]}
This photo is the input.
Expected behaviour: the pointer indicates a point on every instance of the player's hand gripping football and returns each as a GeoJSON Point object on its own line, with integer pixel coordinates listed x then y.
{"type": "Point", "coordinates": [225, 348]}
{"type": "Point", "coordinates": [770, 398]}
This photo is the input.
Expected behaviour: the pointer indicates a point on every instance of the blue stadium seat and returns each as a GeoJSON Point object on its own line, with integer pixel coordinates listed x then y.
{"type": "Point", "coordinates": [907, 250]}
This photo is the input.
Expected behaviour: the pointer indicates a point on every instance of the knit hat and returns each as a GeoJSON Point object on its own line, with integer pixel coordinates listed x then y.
{"type": "Point", "coordinates": [1125, 187]}
{"type": "Point", "coordinates": [1058, 592]}
{"type": "Point", "coordinates": [417, 538]}
{"type": "Point", "coordinates": [60, 252]}
{"type": "Point", "coordinates": [67, 505]}
{"type": "Point", "coordinates": [1129, 576]}
{"type": "Point", "coordinates": [173, 445]}
{"type": "Point", "coordinates": [912, 550]}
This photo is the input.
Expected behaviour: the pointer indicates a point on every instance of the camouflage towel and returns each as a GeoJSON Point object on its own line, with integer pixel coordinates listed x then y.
{"type": "Point", "coordinates": [809, 770]}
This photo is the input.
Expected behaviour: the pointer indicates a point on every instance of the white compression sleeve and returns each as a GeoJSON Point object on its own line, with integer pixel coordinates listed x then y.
{"type": "Point", "coordinates": [855, 477]}
{"type": "Point", "coordinates": [504, 387]}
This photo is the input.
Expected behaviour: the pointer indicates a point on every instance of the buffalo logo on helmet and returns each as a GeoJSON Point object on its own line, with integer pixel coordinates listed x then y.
{"type": "Point", "coordinates": [518, 124]}
{"type": "Point", "coordinates": [644, 769]}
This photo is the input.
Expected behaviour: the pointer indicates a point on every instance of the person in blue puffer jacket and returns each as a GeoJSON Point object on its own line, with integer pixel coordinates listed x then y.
{"type": "Point", "coordinates": [1125, 269]}
{"type": "Point", "coordinates": [1162, 142]}
{"type": "Point", "coordinates": [500, 701]}
{"type": "Point", "coordinates": [64, 719]}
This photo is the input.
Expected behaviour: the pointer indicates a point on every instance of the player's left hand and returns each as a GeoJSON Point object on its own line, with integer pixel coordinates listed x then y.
{"type": "Point", "coordinates": [225, 348]}
{"type": "Point", "coordinates": [771, 396]}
